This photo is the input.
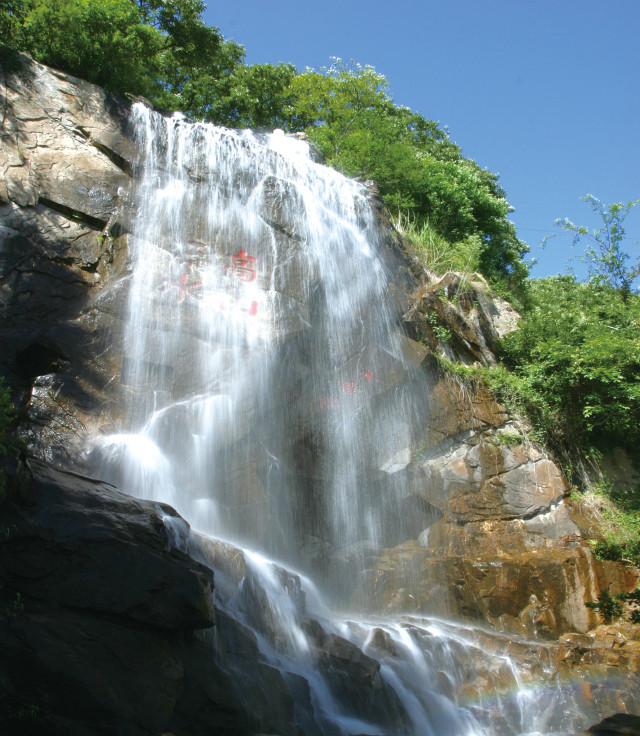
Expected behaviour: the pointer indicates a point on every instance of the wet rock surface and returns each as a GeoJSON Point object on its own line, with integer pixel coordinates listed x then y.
{"type": "Point", "coordinates": [104, 621]}
{"type": "Point", "coordinates": [621, 724]}
{"type": "Point", "coordinates": [105, 618]}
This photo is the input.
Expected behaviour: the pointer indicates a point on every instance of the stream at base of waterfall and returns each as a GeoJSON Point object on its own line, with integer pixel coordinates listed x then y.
{"type": "Point", "coordinates": [270, 403]}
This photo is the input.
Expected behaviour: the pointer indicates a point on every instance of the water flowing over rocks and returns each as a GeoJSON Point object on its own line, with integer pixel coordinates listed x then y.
{"type": "Point", "coordinates": [177, 322]}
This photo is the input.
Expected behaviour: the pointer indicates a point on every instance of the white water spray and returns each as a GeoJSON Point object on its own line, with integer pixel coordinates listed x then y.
{"type": "Point", "coordinates": [268, 403]}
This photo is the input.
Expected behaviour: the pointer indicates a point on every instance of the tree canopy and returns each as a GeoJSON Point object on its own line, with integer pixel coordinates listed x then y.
{"type": "Point", "coordinates": [162, 49]}
{"type": "Point", "coordinates": [104, 41]}
{"type": "Point", "coordinates": [576, 357]}
{"type": "Point", "coordinates": [575, 360]}
{"type": "Point", "coordinates": [419, 171]}
{"type": "Point", "coordinates": [156, 48]}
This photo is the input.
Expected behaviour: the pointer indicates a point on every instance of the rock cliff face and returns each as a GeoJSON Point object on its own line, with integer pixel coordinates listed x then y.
{"type": "Point", "coordinates": [64, 157]}
{"type": "Point", "coordinates": [92, 575]}
{"type": "Point", "coordinates": [506, 548]}
{"type": "Point", "coordinates": [105, 622]}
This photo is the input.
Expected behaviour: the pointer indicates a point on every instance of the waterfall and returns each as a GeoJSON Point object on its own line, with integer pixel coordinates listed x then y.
{"type": "Point", "coordinates": [270, 402]}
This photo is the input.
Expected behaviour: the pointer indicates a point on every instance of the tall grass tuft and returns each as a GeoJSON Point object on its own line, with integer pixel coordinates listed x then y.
{"type": "Point", "coordinates": [435, 252]}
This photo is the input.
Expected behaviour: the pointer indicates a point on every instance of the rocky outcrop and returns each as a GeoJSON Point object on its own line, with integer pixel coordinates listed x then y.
{"type": "Point", "coordinates": [65, 154]}
{"type": "Point", "coordinates": [100, 611]}
{"type": "Point", "coordinates": [503, 545]}
{"type": "Point", "coordinates": [103, 592]}
{"type": "Point", "coordinates": [84, 545]}
{"type": "Point", "coordinates": [474, 318]}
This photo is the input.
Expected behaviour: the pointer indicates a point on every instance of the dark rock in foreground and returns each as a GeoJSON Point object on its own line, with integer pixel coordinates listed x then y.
{"type": "Point", "coordinates": [105, 624]}
{"type": "Point", "coordinates": [622, 724]}
{"type": "Point", "coordinates": [74, 542]}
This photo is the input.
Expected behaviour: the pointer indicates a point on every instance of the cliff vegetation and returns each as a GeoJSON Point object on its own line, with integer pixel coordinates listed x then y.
{"type": "Point", "coordinates": [572, 368]}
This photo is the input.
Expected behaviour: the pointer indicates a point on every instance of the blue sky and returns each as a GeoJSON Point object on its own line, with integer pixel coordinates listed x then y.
{"type": "Point", "coordinates": [545, 93]}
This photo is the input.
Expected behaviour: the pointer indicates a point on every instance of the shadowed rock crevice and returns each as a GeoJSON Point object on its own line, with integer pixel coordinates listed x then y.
{"type": "Point", "coordinates": [75, 215]}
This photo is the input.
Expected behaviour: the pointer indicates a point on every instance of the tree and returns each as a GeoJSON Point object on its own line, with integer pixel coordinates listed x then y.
{"type": "Point", "coordinates": [257, 96]}
{"type": "Point", "coordinates": [9, 18]}
{"type": "Point", "coordinates": [604, 255]}
{"type": "Point", "coordinates": [104, 41]}
{"type": "Point", "coordinates": [575, 364]}
{"type": "Point", "coordinates": [158, 48]}
{"type": "Point", "coordinates": [418, 170]}
{"type": "Point", "coordinates": [195, 62]}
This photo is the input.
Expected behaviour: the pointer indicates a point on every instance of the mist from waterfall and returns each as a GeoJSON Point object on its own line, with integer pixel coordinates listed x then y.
{"type": "Point", "coordinates": [261, 352]}
{"type": "Point", "coordinates": [270, 403]}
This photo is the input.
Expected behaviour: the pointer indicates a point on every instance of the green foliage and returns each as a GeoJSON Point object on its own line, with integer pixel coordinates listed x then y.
{"type": "Point", "coordinates": [443, 334]}
{"type": "Point", "coordinates": [613, 606]}
{"type": "Point", "coordinates": [103, 41]}
{"type": "Point", "coordinates": [11, 14]}
{"type": "Point", "coordinates": [609, 606]}
{"type": "Point", "coordinates": [604, 550]}
{"type": "Point", "coordinates": [627, 552]}
{"type": "Point", "coordinates": [435, 252]}
{"type": "Point", "coordinates": [363, 133]}
{"type": "Point", "coordinates": [257, 96]}
{"type": "Point", "coordinates": [632, 599]}
{"type": "Point", "coordinates": [576, 364]}
{"type": "Point", "coordinates": [419, 451]}
{"type": "Point", "coordinates": [616, 515]}
{"type": "Point", "coordinates": [158, 48]}
{"type": "Point", "coordinates": [195, 65]}
{"type": "Point", "coordinates": [509, 438]}
{"type": "Point", "coordinates": [604, 256]}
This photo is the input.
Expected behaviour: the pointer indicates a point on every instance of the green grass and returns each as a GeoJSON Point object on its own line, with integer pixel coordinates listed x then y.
{"type": "Point", "coordinates": [435, 252]}
{"type": "Point", "coordinates": [617, 519]}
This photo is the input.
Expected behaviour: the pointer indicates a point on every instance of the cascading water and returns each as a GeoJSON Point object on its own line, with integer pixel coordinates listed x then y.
{"type": "Point", "coordinates": [268, 403]}
{"type": "Point", "coordinates": [260, 348]}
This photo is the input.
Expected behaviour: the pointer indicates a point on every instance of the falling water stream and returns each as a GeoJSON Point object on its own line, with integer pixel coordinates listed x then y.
{"type": "Point", "coordinates": [271, 405]}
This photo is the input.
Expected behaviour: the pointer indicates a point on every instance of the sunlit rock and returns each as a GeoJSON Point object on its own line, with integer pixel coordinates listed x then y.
{"type": "Point", "coordinates": [209, 319]}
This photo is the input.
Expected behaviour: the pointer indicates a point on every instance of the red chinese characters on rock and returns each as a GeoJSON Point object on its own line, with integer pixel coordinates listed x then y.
{"type": "Point", "coordinates": [242, 267]}
{"type": "Point", "coordinates": [347, 387]}
{"type": "Point", "coordinates": [327, 402]}
{"type": "Point", "coordinates": [184, 287]}
{"type": "Point", "coordinates": [188, 284]}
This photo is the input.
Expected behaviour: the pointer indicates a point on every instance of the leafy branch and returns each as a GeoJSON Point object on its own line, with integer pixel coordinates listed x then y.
{"type": "Point", "coordinates": [604, 256]}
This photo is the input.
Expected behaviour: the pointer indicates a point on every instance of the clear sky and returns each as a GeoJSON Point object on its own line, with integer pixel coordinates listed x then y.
{"type": "Point", "coordinates": [545, 93]}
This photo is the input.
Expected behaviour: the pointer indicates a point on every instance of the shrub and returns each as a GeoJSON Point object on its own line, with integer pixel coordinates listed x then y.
{"type": "Point", "coordinates": [609, 606]}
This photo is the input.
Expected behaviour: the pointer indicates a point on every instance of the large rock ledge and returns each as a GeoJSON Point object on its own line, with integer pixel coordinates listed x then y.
{"type": "Point", "coordinates": [105, 621]}
{"type": "Point", "coordinates": [75, 542]}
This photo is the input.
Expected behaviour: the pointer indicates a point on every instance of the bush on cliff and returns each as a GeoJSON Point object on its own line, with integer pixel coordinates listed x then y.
{"type": "Point", "coordinates": [162, 49]}
{"type": "Point", "coordinates": [148, 47]}
{"type": "Point", "coordinates": [576, 358]}
{"type": "Point", "coordinates": [419, 171]}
